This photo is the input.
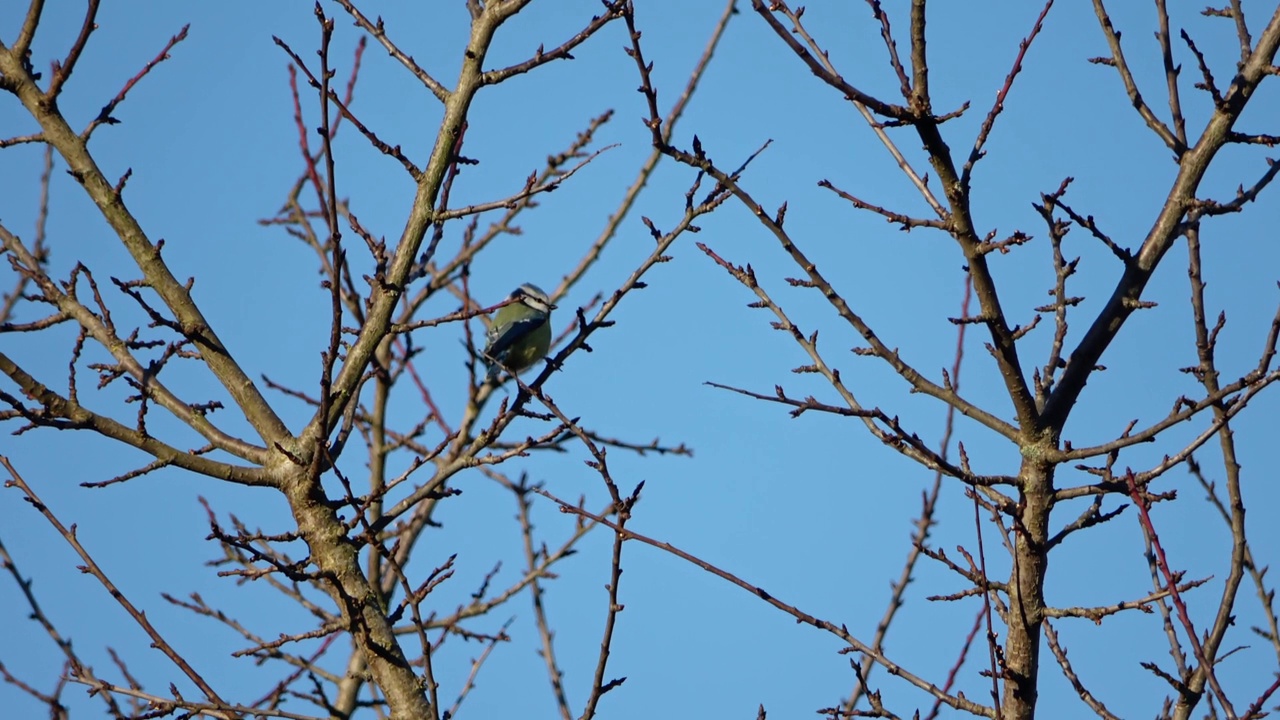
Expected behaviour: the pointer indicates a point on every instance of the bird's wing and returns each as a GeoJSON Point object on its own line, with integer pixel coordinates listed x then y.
{"type": "Point", "coordinates": [501, 338]}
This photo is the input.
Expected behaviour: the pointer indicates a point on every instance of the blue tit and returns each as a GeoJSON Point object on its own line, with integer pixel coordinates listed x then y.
{"type": "Point", "coordinates": [520, 333]}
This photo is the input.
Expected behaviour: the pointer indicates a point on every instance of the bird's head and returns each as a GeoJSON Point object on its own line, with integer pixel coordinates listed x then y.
{"type": "Point", "coordinates": [533, 297]}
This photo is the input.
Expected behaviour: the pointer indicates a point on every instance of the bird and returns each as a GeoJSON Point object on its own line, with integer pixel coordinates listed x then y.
{"type": "Point", "coordinates": [520, 333]}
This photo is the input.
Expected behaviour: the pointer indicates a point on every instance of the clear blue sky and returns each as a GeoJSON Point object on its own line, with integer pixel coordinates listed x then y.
{"type": "Point", "coordinates": [813, 509]}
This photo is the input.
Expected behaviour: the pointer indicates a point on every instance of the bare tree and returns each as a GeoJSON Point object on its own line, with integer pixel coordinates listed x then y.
{"type": "Point", "coordinates": [365, 494]}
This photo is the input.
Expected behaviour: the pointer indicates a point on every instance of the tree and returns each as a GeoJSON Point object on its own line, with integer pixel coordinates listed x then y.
{"type": "Point", "coordinates": [399, 578]}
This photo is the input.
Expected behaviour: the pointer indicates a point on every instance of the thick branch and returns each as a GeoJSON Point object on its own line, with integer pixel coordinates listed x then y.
{"type": "Point", "coordinates": [1168, 226]}
{"type": "Point", "coordinates": [176, 295]}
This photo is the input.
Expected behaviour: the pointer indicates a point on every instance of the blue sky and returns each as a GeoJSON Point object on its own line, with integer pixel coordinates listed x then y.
{"type": "Point", "coordinates": [813, 509]}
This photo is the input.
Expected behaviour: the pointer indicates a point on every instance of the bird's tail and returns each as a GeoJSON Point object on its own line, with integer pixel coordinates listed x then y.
{"type": "Point", "coordinates": [494, 369]}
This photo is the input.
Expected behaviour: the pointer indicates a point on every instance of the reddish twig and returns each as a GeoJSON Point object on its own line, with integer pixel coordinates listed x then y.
{"type": "Point", "coordinates": [104, 115]}
{"type": "Point", "coordinates": [1148, 529]}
